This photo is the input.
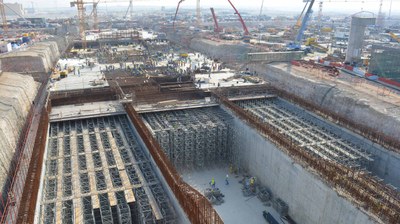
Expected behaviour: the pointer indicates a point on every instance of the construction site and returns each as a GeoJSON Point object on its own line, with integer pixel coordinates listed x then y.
{"type": "Point", "coordinates": [201, 114]}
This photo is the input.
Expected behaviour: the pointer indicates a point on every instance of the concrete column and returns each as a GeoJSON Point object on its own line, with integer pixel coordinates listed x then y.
{"type": "Point", "coordinates": [359, 22]}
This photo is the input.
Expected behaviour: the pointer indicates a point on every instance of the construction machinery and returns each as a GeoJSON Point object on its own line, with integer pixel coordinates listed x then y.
{"type": "Point", "coordinates": [296, 45]}
{"type": "Point", "coordinates": [130, 9]}
{"type": "Point", "coordinates": [3, 17]}
{"type": "Point", "coordinates": [176, 13]}
{"type": "Point", "coordinates": [262, 6]}
{"type": "Point", "coordinates": [217, 28]}
{"type": "Point", "coordinates": [246, 34]}
{"type": "Point", "coordinates": [393, 36]}
{"type": "Point", "coordinates": [312, 42]}
{"type": "Point", "coordinates": [81, 18]}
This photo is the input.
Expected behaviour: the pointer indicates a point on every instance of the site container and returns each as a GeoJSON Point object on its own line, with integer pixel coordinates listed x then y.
{"type": "Point", "coordinates": [372, 77]}
{"type": "Point", "coordinates": [359, 72]}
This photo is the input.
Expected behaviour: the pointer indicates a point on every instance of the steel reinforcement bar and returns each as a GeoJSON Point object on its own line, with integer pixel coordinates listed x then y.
{"type": "Point", "coordinates": [26, 212]}
{"type": "Point", "coordinates": [375, 136]}
{"type": "Point", "coordinates": [198, 209]}
{"type": "Point", "coordinates": [359, 187]}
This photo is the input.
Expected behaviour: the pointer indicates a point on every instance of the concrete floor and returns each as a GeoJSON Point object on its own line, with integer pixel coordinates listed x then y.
{"type": "Point", "coordinates": [236, 208]}
{"type": "Point", "coordinates": [84, 80]}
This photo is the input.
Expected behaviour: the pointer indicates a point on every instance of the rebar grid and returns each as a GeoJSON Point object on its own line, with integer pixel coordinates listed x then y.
{"type": "Point", "coordinates": [367, 191]}
{"type": "Point", "coordinates": [318, 138]}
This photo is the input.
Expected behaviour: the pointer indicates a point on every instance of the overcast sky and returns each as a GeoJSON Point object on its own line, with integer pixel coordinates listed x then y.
{"type": "Point", "coordinates": [281, 5]}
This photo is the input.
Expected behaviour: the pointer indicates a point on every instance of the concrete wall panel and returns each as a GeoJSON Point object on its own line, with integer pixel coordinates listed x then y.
{"type": "Point", "coordinates": [309, 198]}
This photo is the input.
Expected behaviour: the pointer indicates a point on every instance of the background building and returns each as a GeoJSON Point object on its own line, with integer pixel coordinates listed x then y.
{"type": "Point", "coordinates": [385, 61]}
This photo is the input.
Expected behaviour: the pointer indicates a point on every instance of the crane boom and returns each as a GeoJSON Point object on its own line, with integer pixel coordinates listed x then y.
{"type": "Point", "coordinates": [298, 23]}
{"type": "Point", "coordinates": [394, 36]}
{"type": "Point", "coordinates": [216, 28]}
{"type": "Point", "coordinates": [262, 6]}
{"type": "Point", "coordinates": [176, 13]}
{"type": "Point", "coordinates": [246, 31]}
{"type": "Point", "coordinates": [303, 26]}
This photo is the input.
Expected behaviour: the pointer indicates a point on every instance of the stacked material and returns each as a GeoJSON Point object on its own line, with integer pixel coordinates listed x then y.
{"type": "Point", "coordinates": [192, 138]}
{"type": "Point", "coordinates": [16, 95]}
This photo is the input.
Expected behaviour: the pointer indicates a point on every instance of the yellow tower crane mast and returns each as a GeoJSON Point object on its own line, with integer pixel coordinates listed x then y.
{"type": "Point", "coordinates": [81, 20]}
{"type": "Point", "coordinates": [3, 17]}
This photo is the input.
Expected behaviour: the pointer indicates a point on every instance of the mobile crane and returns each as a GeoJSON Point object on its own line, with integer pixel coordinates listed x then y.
{"type": "Point", "coordinates": [296, 45]}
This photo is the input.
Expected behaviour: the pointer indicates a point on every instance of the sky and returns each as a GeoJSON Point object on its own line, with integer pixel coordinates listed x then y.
{"type": "Point", "coordinates": [269, 5]}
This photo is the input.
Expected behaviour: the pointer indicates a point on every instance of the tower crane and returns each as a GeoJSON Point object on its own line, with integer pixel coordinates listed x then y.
{"type": "Point", "coordinates": [81, 14]}
{"type": "Point", "coordinates": [81, 17]}
{"type": "Point", "coordinates": [3, 17]}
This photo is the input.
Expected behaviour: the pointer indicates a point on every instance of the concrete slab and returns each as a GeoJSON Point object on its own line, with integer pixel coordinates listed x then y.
{"type": "Point", "coordinates": [236, 208]}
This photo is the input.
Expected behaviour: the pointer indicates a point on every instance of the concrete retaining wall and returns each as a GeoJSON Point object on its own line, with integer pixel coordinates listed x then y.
{"type": "Point", "coordinates": [16, 95]}
{"type": "Point", "coordinates": [386, 163]}
{"type": "Point", "coordinates": [334, 99]}
{"type": "Point", "coordinates": [225, 52]}
{"type": "Point", "coordinates": [310, 200]}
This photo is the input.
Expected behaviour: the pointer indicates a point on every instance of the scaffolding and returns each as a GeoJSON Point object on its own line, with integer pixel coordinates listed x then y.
{"type": "Point", "coordinates": [192, 138]}
{"type": "Point", "coordinates": [96, 172]}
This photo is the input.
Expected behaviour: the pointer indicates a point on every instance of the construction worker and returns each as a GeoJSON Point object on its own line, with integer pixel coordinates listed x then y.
{"type": "Point", "coordinates": [212, 183]}
{"type": "Point", "coordinates": [252, 184]}
{"type": "Point", "coordinates": [252, 180]}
